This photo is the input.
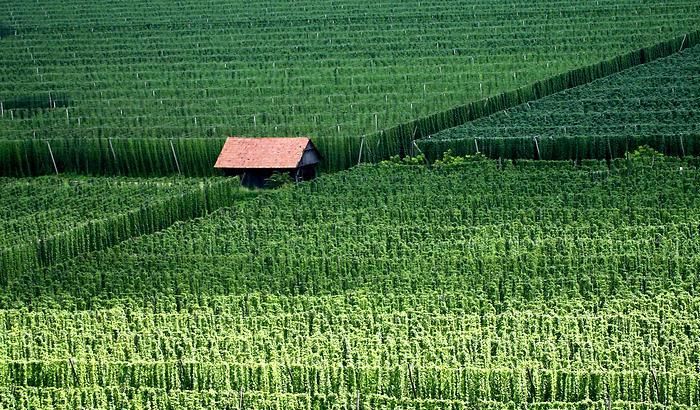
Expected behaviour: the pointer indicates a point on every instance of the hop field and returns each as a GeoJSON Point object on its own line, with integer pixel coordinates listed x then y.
{"type": "Point", "coordinates": [654, 104]}
{"type": "Point", "coordinates": [48, 220]}
{"type": "Point", "coordinates": [535, 285]}
{"type": "Point", "coordinates": [208, 69]}
{"type": "Point", "coordinates": [470, 283]}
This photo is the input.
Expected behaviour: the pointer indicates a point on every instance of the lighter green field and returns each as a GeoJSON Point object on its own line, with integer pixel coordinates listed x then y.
{"type": "Point", "coordinates": [539, 286]}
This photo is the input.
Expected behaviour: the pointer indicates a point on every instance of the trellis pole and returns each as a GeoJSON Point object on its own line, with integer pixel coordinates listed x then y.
{"type": "Point", "coordinates": [240, 398]}
{"type": "Point", "coordinates": [419, 150]}
{"type": "Point", "coordinates": [53, 160]}
{"type": "Point", "coordinates": [685, 37]}
{"type": "Point", "coordinates": [362, 144]}
{"type": "Point", "coordinates": [111, 148]}
{"type": "Point", "coordinates": [177, 163]}
{"type": "Point", "coordinates": [413, 383]}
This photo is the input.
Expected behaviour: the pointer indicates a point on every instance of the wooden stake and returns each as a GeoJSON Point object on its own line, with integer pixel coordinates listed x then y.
{"type": "Point", "coordinates": [177, 163]}
{"type": "Point", "coordinates": [2, 110]}
{"type": "Point", "coordinates": [111, 148]}
{"type": "Point", "coordinates": [362, 144]}
{"type": "Point", "coordinates": [531, 386]}
{"type": "Point", "coordinates": [413, 384]}
{"type": "Point", "coordinates": [240, 398]}
{"type": "Point", "coordinates": [477, 146]}
{"type": "Point", "coordinates": [685, 37]}
{"type": "Point", "coordinates": [53, 160]}
{"type": "Point", "coordinates": [682, 147]}
{"type": "Point", "coordinates": [656, 383]}
{"type": "Point", "coordinates": [413, 140]}
{"type": "Point", "coordinates": [608, 404]}
{"type": "Point", "coordinates": [537, 145]}
{"type": "Point", "coordinates": [75, 373]}
{"type": "Point", "coordinates": [357, 400]}
{"type": "Point", "coordinates": [290, 374]}
{"type": "Point", "coordinates": [419, 150]}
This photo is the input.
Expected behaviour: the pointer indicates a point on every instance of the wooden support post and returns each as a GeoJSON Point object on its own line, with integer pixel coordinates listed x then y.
{"type": "Point", "coordinates": [413, 383]}
{"type": "Point", "coordinates": [682, 147]}
{"type": "Point", "coordinates": [608, 404]}
{"type": "Point", "coordinates": [537, 145]}
{"type": "Point", "coordinates": [53, 160]}
{"type": "Point", "coordinates": [111, 148]}
{"type": "Point", "coordinates": [357, 400]}
{"type": "Point", "coordinates": [685, 37]}
{"type": "Point", "coordinates": [71, 361]}
{"type": "Point", "coordinates": [413, 140]}
{"type": "Point", "coordinates": [177, 163]}
{"type": "Point", "coordinates": [240, 398]}
{"type": "Point", "coordinates": [656, 384]}
{"type": "Point", "coordinates": [477, 146]}
{"type": "Point", "coordinates": [531, 390]}
{"type": "Point", "coordinates": [419, 150]}
{"type": "Point", "coordinates": [362, 145]}
{"type": "Point", "coordinates": [2, 110]}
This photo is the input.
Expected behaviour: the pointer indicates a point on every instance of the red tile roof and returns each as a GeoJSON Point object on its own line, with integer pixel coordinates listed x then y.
{"type": "Point", "coordinates": [277, 153]}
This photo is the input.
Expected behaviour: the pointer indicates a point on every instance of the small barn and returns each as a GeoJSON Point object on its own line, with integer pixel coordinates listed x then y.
{"type": "Point", "coordinates": [256, 159]}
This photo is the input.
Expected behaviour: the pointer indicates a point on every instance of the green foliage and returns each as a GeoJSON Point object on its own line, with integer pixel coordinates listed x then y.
{"type": "Point", "coordinates": [156, 79]}
{"type": "Point", "coordinates": [645, 156]}
{"type": "Point", "coordinates": [449, 159]}
{"type": "Point", "coordinates": [161, 72]}
{"type": "Point", "coordinates": [546, 285]}
{"type": "Point", "coordinates": [278, 179]}
{"type": "Point", "coordinates": [407, 160]}
{"type": "Point", "coordinates": [52, 219]}
{"type": "Point", "coordinates": [601, 120]}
